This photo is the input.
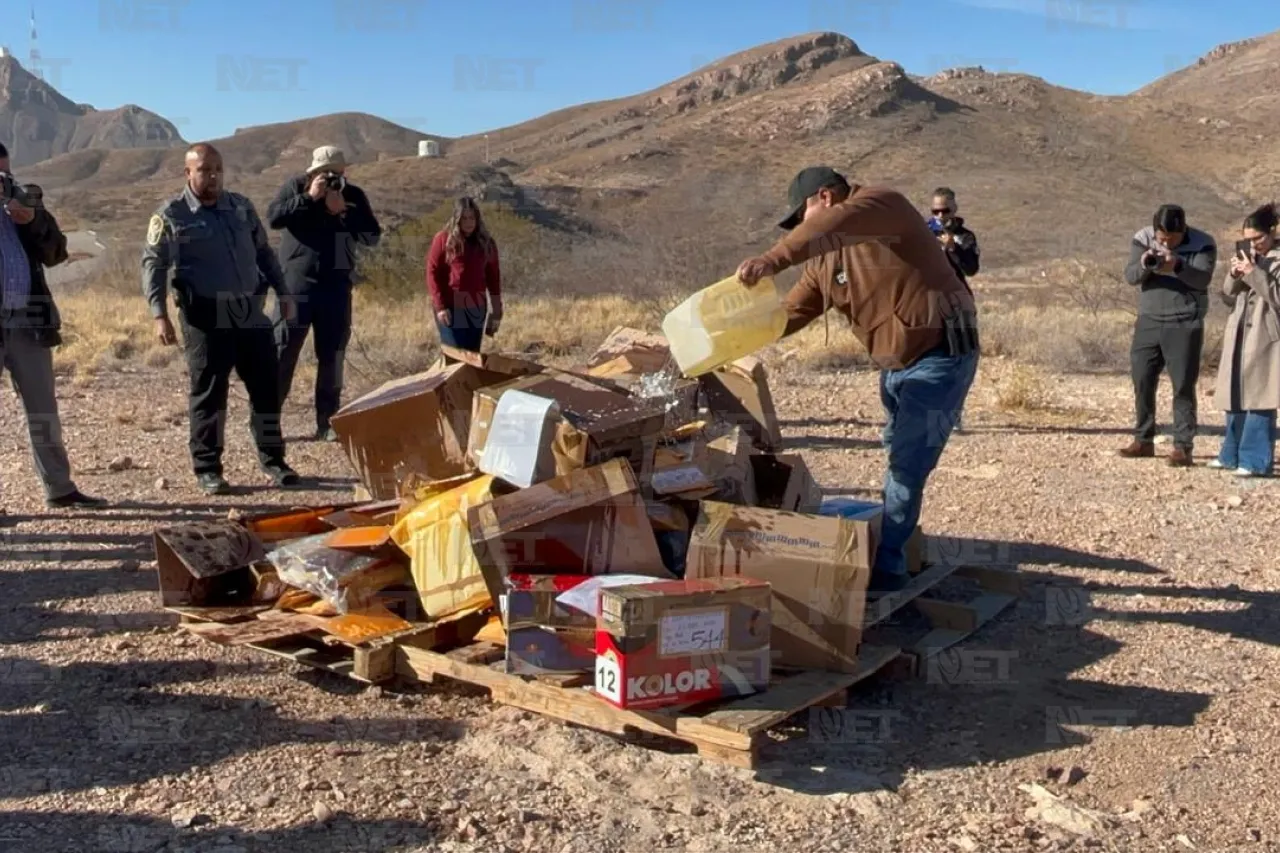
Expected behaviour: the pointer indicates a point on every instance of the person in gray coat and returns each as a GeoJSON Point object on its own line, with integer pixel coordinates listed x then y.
{"type": "Point", "coordinates": [31, 240]}
{"type": "Point", "coordinates": [1172, 265]}
{"type": "Point", "coordinates": [1249, 373]}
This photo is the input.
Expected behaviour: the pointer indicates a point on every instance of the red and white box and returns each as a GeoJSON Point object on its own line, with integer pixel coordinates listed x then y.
{"type": "Point", "coordinates": [682, 642]}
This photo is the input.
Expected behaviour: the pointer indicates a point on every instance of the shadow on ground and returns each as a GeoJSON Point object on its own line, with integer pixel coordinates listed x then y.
{"type": "Point", "coordinates": [1011, 426]}
{"type": "Point", "coordinates": [108, 832]}
{"type": "Point", "coordinates": [110, 724]}
{"type": "Point", "coordinates": [1009, 690]}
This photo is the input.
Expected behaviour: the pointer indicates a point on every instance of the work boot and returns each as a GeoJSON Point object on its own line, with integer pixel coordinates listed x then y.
{"type": "Point", "coordinates": [1138, 450]}
{"type": "Point", "coordinates": [213, 484]}
{"type": "Point", "coordinates": [75, 500]}
{"type": "Point", "coordinates": [882, 583]}
{"type": "Point", "coordinates": [1180, 458]}
{"type": "Point", "coordinates": [282, 475]}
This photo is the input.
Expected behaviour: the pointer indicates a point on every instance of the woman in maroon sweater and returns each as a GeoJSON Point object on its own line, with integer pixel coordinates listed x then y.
{"type": "Point", "coordinates": [464, 279]}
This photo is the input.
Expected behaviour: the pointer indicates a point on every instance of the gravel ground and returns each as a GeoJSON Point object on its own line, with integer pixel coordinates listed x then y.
{"type": "Point", "coordinates": [1128, 701]}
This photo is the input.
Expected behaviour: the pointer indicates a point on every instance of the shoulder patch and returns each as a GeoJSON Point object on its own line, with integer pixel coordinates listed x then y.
{"type": "Point", "coordinates": [155, 229]}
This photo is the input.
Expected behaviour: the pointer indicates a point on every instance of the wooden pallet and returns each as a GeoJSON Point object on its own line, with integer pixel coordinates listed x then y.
{"type": "Point", "coordinates": [372, 662]}
{"type": "Point", "coordinates": [731, 731]}
{"type": "Point", "coordinates": [734, 730]}
{"type": "Point", "coordinates": [950, 621]}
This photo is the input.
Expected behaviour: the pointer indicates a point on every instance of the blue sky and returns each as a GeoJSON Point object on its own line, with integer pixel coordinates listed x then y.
{"type": "Point", "coordinates": [472, 65]}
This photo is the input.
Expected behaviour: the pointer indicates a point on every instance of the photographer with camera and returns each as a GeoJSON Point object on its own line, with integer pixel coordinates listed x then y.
{"type": "Point", "coordinates": [1172, 265]}
{"type": "Point", "coordinates": [31, 240]}
{"type": "Point", "coordinates": [958, 243]}
{"type": "Point", "coordinates": [324, 218]}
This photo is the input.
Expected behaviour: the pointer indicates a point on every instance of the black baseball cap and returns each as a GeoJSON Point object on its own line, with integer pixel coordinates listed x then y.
{"type": "Point", "coordinates": [806, 184]}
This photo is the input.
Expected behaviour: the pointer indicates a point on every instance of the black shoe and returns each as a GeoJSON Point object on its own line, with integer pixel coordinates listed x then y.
{"type": "Point", "coordinates": [326, 434]}
{"type": "Point", "coordinates": [213, 484]}
{"type": "Point", "coordinates": [282, 475]}
{"type": "Point", "coordinates": [75, 500]}
{"type": "Point", "coordinates": [882, 583]}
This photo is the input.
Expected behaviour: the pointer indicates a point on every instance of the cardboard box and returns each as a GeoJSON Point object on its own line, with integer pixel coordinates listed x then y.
{"type": "Point", "coordinates": [818, 567]}
{"type": "Point", "coordinates": [784, 482]}
{"type": "Point", "coordinates": [435, 535]}
{"type": "Point", "coordinates": [591, 521]}
{"type": "Point", "coordinates": [544, 637]}
{"type": "Point", "coordinates": [595, 425]}
{"type": "Point", "coordinates": [854, 508]}
{"type": "Point", "coordinates": [643, 352]}
{"type": "Point", "coordinates": [682, 642]}
{"type": "Point", "coordinates": [628, 356]}
{"type": "Point", "coordinates": [715, 469]}
{"type": "Point", "coordinates": [207, 564]}
{"type": "Point", "coordinates": [419, 424]}
{"type": "Point", "coordinates": [738, 393]}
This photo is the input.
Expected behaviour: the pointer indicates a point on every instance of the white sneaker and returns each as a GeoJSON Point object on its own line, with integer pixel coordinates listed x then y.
{"type": "Point", "coordinates": [1245, 472]}
{"type": "Point", "coordinates": [1214, 463]}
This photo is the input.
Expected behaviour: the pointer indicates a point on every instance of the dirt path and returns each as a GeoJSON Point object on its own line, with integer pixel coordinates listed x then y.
{"type": "Point", "coordinates": [1143, 653]}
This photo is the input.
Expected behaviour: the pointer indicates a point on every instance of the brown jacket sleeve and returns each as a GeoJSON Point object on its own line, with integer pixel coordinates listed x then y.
{"type": "Point", "coordinates": [855, 220]}
{"type": "Point", "coordinates": [804, 303]}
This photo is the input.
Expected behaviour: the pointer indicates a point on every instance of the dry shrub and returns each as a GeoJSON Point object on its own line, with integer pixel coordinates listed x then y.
{"type": "Point", "coordinates": [1025, 389]}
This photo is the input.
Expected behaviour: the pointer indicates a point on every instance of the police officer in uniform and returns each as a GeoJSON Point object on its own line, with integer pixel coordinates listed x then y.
{"type": "Point", "coordinates": [214, 246]}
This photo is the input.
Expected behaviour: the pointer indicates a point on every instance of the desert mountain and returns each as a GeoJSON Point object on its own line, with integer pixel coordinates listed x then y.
{"type": "Point", "coordinates": [1043, 171]}
{"type": "Point", "coordinates": [37, 122]}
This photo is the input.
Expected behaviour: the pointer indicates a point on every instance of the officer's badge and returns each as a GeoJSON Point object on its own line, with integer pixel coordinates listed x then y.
{"type": "Point", "coordinates": [155, 230]}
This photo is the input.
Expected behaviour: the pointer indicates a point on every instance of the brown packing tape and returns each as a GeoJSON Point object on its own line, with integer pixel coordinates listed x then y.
{"type": "Point", "coordinates": [717, 517]}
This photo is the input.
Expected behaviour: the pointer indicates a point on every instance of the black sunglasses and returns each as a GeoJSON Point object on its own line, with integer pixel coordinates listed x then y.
{"type": "Point", "coordinates": [937, 212]}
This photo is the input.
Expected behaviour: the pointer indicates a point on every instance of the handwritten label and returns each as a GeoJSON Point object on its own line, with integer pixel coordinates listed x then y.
{"type": "Point", "coordinates": [684, 632]}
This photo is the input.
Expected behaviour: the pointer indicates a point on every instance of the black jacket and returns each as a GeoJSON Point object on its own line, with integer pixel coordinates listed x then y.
{"type": "Point", "coordinates": [964, 254]}
{"type": "Point", "coordinates": [318, 249]}
{"type": "Point", "coordinates": [46, 246]}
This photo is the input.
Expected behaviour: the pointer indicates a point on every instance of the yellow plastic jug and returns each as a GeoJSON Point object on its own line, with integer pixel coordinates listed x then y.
{"type": "Point", "coordinates": [722, 323]}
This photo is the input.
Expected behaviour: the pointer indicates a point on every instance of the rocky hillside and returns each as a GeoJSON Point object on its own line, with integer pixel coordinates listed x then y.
{"type": "Point", "coordinates": [37, 122]}
{"type": "Point", "coordinates": [1043, 171]}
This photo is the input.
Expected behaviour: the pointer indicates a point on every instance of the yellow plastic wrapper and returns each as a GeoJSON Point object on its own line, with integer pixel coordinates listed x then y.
{"type": "Point", "coordinates": [435, 536]}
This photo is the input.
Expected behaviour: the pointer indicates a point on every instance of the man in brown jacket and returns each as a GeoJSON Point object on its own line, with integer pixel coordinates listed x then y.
{"type": "Point", "coordinates": [867, 253]}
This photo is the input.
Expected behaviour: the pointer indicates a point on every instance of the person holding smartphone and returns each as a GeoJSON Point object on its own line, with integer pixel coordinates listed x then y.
{"type": "Point", "coordinates": [1249, 373]}
{"type": "Point", "coordinates": [464, 279]}
{"type": "Point", "coordinates": [1172, 265]}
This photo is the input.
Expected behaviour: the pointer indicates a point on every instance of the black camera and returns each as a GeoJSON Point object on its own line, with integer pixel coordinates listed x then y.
{"type": "Point", "coordinates": [1150, 260]}
{"type": "Point", "coordinates": [334, 181]}
{"type": "Point", "coordinates": [11, 189]}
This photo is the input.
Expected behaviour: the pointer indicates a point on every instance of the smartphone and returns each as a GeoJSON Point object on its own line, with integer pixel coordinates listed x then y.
{"type": "Point", "coordinates": [1244, 249]}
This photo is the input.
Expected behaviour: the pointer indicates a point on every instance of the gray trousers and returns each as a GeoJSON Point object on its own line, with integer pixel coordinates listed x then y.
{"type": "Point", "coordinates": [30, 367]}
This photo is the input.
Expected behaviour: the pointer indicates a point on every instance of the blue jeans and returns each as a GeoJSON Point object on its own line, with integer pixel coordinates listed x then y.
{"type": "Point", "coordinates": [465, 330]}
{"type": "Point", "coordinates": [922, 402]}
{"type": "Point", "coordinates": [1249, 441]}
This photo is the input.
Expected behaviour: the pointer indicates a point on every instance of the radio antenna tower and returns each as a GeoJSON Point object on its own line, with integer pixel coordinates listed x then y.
{"type": "Point", "coordinates": [34, 59]}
